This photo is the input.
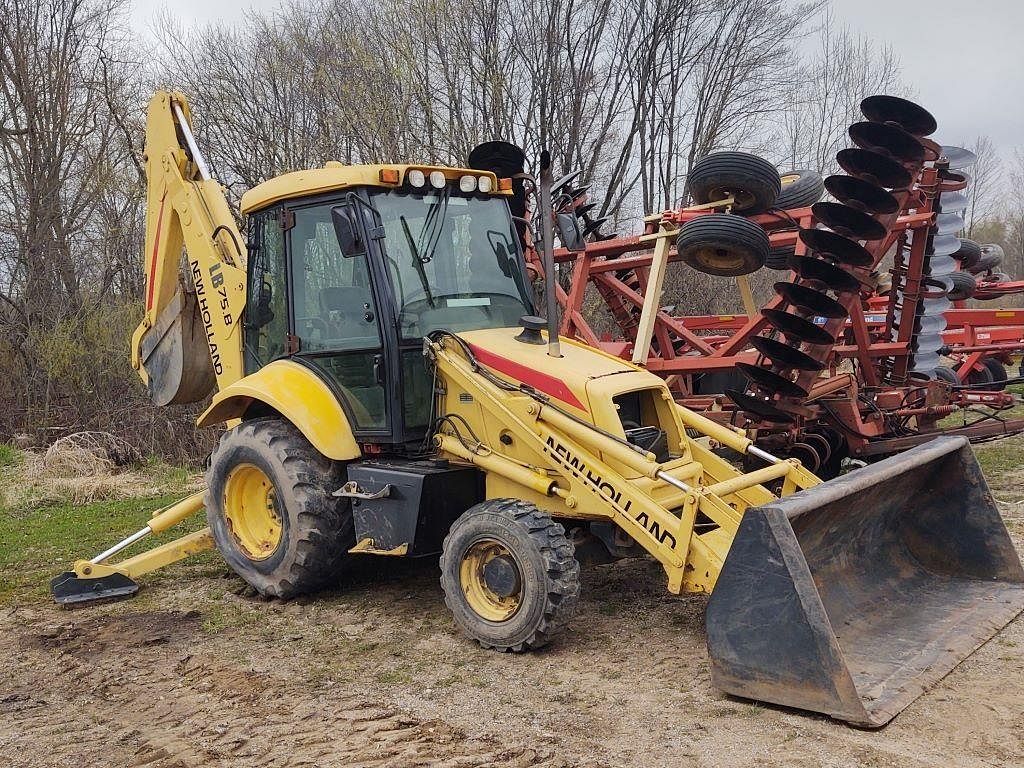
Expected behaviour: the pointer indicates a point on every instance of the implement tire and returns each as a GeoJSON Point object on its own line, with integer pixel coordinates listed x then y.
{"type": "Point", "coordinates": [800, 189]}
{"type": "Point", "coordinates": [509, 575]}
{"type": "Point", "coordinates": [723, 245]}
{"type": "Point", "coordinates": [751, 180]}
{"type": "Point", "coordinates": [271, 512]}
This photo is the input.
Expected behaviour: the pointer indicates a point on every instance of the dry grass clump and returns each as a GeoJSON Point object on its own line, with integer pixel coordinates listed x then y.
{"type": "Point", "coordinates": [85, 467]}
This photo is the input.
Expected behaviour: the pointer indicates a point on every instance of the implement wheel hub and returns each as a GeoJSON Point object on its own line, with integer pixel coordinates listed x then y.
{"type": "Point", "coordinates": [491, 580]}
{"type": "Point", "coordinates": [250, 506]}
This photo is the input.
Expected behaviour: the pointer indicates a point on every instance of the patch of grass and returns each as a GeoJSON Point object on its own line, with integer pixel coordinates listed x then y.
{"type": "Point", "coordinates": [38, 543]}
{"type": "Point", "coordinates": [9, 456]}
{"type": "Point", "coordinates": [393, 677]}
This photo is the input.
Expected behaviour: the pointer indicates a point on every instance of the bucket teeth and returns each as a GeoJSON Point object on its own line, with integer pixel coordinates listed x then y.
{"type": "Point", "coordinates": [796, 327]}
{"type": "Point", "coordinates": [888, 139]}
{"type": "Point", "coordinates": [810, 300]}
{"type": "Point", "coordinates": [849, 222]}
{"type": "Point", "coordinates": [909, 116]}
{"type": "Point", "coordinates": [862, 195]}
{"type": "Point", "coordinates": [874, 167]}
{"type": "Point", "coordinates": [771, 382]}
{"type": "Point", "coordinates": [783, 354]}
{"type": "Point", "coordinates": [760, 407]}
{"type": "Point", "coordinates": [836, 247]}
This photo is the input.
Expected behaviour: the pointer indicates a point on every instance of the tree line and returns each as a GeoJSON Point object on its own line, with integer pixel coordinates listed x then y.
{"type": "Point", "coordinates": [630, 91]}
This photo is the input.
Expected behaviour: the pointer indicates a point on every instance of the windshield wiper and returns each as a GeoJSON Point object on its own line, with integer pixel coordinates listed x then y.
{"type": "Point", "coordinates": [417, 262]}
{"type": "Point", "coordinates": [433, 225]}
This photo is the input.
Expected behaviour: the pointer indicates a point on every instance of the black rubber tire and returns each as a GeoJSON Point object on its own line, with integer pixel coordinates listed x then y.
{"type": "Point", "coordinates": [549, 572]}
{"type": "Point", "coordinates": [964, 284]}
{"type": "Point", "coordinates": [946, 374]}
{"type": "Point", "coordinates": [723, 245]}
{"type": "Point", "coordinates": [317, 529]}
{"type": "Point", "coordinates": [986, 263]}
{"type": "Point", "coordinates": [751, 179]}
{"type": "Point", "coordinates": [969, 253]}
{"type": "Point", "coordinates": [778, 257]}
{"type": "Point", "coordinates": [807, 189]}
{"type": "Point", "coordinates": [979, 379]}
{"type": "Point", "coordinates": [999, 374]}
{"type": "Point", "coordinates": [999, 277]}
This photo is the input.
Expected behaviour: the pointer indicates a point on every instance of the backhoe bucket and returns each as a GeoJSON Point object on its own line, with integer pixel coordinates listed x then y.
{"type": "Point", "coordinates": [175, 354]}
{"type": "Point", "coordinates": [854, 597]}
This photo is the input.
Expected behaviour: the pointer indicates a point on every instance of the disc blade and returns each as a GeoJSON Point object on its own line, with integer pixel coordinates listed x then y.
{"type": "Point", "coordinates": [936, 307]}
{"type": "Point", "coordinates": [861, 194]}
{"type": "Point", "coordinates": [949, 223]}
{"type": "Point", "coordinates": [847, 221]}
{"type": "Point", "coordinates": [888, 140]}
{"type": "Point", "coordinates": [783, 354]}
{"type": "Point", "coordinates": [759, 406]}
{"type": "Point", "coordinates": [958, 157]}
{"type": "Point", "coordinates": [810, 300]}
{"type": "Point", "coordinates": [926, 363]}
{"type": "Point", "coordinates": [836, 247]}
{"type": "Point", "coordinates": [909, 116]}
{"type": "Point", "coordinates": [873, 167]}
{"type": "Point", "coordinates": [796, 327]}
{"type": "Point", "coordinates": [770, 381]}
{"type": "Point", "coordinates": [928, 342]}
{"type": "Point", "coordinates": [830, 275]}
{"type": "Point", "coordinates": [942, 265]}
{"type": "Point", "coordinates": [945, 245]}
{"type": "Point", "coordinates": [952, 202]}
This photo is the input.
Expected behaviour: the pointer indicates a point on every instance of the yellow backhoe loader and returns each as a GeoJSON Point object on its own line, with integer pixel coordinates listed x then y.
{"type": "Point", "coordinates": [375, 352]}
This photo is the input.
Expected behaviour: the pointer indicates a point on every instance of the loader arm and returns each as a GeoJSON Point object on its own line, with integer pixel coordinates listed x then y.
{"type": "Point", "coordinates": [190, 338]}
{"type": "Point", "coordinates": [580, 471]}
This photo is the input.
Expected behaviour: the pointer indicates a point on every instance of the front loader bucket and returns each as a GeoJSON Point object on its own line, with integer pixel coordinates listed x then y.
{"type": "Point", "coordinates": [852, 598]}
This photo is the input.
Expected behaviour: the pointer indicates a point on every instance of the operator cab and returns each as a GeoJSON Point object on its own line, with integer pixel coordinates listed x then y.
{"type": "Point", "coordinates": [350, 281]}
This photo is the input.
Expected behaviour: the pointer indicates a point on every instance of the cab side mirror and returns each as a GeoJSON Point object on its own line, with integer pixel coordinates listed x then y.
{"type": "Point", "coordinates": [569, 232]}
{"type": "Point", "coordinates": [347, 232]}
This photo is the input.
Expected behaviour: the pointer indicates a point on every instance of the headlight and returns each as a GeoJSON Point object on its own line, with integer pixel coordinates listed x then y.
{"type": "Point", "coordinates": [467, 183]}
{"type": "Point", "coordinates": [484, 184]}
{"type": "Point", "coordinates": [416, 177]}
{"type": "Point", "coordinates": [437, 180]}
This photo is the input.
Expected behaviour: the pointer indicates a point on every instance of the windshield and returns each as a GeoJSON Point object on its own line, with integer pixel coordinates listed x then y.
{"type": "Point", "coordinates": [453, 261]}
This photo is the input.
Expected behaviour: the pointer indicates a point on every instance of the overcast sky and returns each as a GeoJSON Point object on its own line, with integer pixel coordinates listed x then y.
{"type": "Point", "coordinates": [963, 58]}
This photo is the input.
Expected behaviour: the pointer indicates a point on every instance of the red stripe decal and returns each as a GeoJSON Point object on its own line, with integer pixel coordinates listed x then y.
{"type": "Point", "coordinates": [541, 382]}
{"type": "Point", "coordinates": [152, 260]}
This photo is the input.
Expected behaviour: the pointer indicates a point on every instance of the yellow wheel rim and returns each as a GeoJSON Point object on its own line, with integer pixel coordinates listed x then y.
{"type": "Point", "coordinates": [789, 178]}
{"type": "Point", "coordinates": [491, 580]}
{"type": "Point", "coordinates": [250, 508]}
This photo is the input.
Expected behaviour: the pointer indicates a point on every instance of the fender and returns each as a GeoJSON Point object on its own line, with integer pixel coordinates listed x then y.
{"type": "Point", "coordinates": [300, 396]}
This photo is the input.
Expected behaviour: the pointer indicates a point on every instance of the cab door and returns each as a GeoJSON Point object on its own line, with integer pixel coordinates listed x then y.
{"type": "Point", "coordinates": [335, 319]}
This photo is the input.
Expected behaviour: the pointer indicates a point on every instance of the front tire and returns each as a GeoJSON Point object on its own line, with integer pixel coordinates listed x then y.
{"type": "Point", "coordinates": [509, 574]}
{"type": "Point", "coordinates": [270, 509]}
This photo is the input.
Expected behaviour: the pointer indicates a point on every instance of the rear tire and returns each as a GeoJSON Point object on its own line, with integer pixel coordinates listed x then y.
{"type": "Point", "coordinates": [271, 512]}
{"type": "Point", "coordinates": [751, 180]}
{"type": "Point", "coordinates": [723, 245]}
{"type": "Point", "coordinates": [509, 575]}
{"type": "Point", "coordinates": [800, 189]}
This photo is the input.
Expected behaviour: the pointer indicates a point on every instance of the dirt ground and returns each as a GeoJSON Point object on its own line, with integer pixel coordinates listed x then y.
{"type": "Point", "coordinates": [200, 674]}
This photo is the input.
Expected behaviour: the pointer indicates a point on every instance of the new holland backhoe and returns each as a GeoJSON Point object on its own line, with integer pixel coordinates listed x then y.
{"type": "Point", "coordinates": [373, 347]}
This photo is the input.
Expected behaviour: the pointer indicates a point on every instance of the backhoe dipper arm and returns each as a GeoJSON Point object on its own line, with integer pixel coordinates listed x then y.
{"type": "Point", "coordinates": [190, 337]}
